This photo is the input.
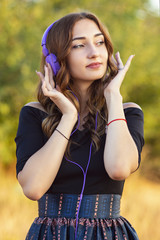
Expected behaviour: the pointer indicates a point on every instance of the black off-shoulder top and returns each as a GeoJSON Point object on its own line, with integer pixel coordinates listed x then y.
{"type": "Point", "coordinates": [30, 138]}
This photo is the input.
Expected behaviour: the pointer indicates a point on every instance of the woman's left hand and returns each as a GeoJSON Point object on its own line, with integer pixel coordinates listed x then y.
{"type": "Point", "coordinates": [115, 84]}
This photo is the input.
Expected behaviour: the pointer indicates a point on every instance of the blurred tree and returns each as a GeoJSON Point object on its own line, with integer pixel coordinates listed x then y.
{"type": "Point", "coordinates": [133, 30]}
{"type": "Point", "coordinates": [19, 37]}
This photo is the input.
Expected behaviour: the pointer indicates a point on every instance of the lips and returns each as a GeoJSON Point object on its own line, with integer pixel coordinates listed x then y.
{"type": "Point", "coordinates": [94, 65]}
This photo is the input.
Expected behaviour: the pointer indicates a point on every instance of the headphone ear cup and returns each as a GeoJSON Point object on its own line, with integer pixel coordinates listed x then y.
{"type": "Point", "coordinates": [52, 60]}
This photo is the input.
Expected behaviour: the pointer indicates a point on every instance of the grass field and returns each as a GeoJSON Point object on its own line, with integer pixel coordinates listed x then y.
{"type": "Point", "coordinates": [140, 205]}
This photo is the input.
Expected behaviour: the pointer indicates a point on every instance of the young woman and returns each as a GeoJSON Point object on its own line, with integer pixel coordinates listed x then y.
{"type": "Point", "coordinates": [79, 142]}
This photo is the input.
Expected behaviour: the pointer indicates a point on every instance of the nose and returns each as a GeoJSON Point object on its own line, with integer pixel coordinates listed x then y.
{"type": "Point", "coordinates": [92, 51]}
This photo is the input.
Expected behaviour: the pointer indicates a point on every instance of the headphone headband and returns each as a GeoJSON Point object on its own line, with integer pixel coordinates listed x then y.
{"type": "Point", "coordinates": [50, 57]}
{"type": "Point", "coordinates": [44, 38]}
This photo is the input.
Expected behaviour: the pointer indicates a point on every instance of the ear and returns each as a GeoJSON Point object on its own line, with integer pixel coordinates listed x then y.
{"type": "Point", "coordinates": [52, 60]}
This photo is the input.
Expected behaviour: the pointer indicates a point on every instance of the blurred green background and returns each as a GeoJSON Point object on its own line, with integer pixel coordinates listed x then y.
{"type": "Point", "coordinates": [134, 26]}
{"type": "Point", "coordinates": [134, 29]}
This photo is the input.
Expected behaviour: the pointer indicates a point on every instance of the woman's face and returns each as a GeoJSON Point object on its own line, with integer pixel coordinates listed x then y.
{"type": "Point", "coordinates": [88, 57]}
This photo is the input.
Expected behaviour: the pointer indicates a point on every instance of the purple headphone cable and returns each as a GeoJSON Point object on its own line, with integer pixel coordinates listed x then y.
{"type": "Point", "coordinates": [52, 59]}
{"type": "Point", "coordinates": [84, 172]}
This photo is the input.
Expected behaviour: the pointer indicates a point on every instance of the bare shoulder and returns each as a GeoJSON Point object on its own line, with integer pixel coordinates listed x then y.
{"type": "Point", "coordinates": [131, 104]}
{"type": "Point", "coordinates": [36, 105]}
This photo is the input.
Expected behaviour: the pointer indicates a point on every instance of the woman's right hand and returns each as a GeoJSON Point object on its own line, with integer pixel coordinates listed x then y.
{"type": "Point", "coordinates": [54, 93]}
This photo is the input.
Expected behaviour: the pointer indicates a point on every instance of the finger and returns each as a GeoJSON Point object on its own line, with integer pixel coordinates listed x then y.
{"type": "Point", "coordinates": [128, 63]}
{"type": "Point", "coordinates": [44, 88]}
{"type": "Point", "coordinates": [40, 75]}
{"type": "Point", "coordinates": [51, 81]}
{"type": "Point", "coordinates": [47, 92]}
{"type": "Point", "coordinates": [47, 76]}
{"type": "Point", "coordinates": [113, 60]}
{"type": "Point", "coordinates": [119, 61]}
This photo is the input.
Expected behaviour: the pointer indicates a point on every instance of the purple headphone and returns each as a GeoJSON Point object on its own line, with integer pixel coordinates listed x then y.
{"type": "Point", "coordinates": [52, 60]}
{"type": "Point", "coordinates": [50, 57]}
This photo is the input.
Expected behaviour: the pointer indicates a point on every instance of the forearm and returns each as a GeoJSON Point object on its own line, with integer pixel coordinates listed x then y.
{"type": "Point", "coordinates": [120, 153]}
{"type": "Point", "coordinates": [41, 168]}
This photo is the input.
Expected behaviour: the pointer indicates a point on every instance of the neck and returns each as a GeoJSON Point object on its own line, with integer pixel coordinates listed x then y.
{"type": "Point", "coordinates": [82, 89]}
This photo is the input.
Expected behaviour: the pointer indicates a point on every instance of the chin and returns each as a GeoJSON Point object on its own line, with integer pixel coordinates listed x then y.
{"type": "Point", "coordinates": [97, 76]}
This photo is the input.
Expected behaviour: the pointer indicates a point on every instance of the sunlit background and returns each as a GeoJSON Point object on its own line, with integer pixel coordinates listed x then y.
{"type": "Point", "coordinates": [134, 26]}
{"type": "Point", "coordinates": [154, 5]}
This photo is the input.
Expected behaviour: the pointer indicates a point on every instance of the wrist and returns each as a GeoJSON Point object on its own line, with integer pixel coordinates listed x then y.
{"type": "Point", "coordinates": [72, 118]}
{"type": "Point", "coordinates": [114, 106]}
{"type": "Point", "coordinates": [113, 97]}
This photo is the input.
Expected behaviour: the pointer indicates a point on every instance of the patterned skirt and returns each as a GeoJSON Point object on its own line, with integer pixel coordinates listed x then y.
{"type": "Point", "coordinates": [98, 218]}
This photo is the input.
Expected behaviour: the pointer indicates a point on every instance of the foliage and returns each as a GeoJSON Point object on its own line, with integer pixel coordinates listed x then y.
{"type": "Point", "coordinates": [133, 30]}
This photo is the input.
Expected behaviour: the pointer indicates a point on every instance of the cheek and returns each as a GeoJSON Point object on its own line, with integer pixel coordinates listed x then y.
{"type": "Point", "coordinates": [73, 66]}
{"type": "Point", "coordinates": [72, 61]}
{"type": "Point", "coordinates": [105, 55]}
{"type": "Point", "coordinates": [75, 63]}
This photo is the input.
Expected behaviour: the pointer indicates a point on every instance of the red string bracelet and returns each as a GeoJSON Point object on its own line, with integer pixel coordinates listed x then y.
{"type": "Point", "coordinates": [118, 119]}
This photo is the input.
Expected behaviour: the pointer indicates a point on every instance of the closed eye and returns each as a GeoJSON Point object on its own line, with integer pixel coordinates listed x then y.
{"type": "Point", "coordinates": [101, 42]}
{"type": "Point", "coordinates": [78, 46]}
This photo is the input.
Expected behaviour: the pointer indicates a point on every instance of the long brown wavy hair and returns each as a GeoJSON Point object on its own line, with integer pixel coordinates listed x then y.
{"type": "Point", "coordinates": [59, 42]}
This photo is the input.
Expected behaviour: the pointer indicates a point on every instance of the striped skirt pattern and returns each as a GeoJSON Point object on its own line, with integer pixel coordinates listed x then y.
{"type": "Point", "coordinates": [98, 219]}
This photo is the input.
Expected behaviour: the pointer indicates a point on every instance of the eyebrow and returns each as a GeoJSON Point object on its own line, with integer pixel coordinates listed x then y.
{"type": "Point", "coordinates": [79, 38]}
